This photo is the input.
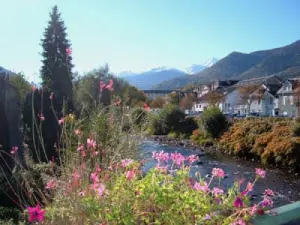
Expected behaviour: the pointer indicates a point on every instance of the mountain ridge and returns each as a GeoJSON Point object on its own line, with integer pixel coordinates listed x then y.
{"type": "Point", "coordinates": [283, 62]}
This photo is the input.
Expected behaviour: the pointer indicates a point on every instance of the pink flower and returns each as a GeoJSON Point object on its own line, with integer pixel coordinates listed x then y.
{"type": "Point", "coordinates": [14, 150]}
{"type": "Point", "coordinates": [217, 191]}
{"type": "Point", "coordinates": [36, 214]}
{"type": "Point", "coordinates": [238, 202]}
{"type": "Point", "coordinates": [100, 190]}
{"type": "Point", "coordinates": [146, 107]}
{"type": "Point", "coordinates": [218, 172]}
{"type": "Point", "coordinates": [162, 169]}
{"type": "Point", "coordinates": [91, 143]}
{"type": "Point", "coordinates": [177, 158]}
{"type": "Point", "coordinates": [51, 95]}
{"type": "Point", "coordinates": [77, 132]}
{"type": "Point", "coordinates": [160, 156]}
{"type": "Point", "coordinates": [239, 222]}
{"type": "Point", "coordinates": [110, 85]}
{"type": "Point", "coordinates": [80, 148]}
{"type": "Point", "coordinates": [260, 172]}
{"type": "Point", "coordinates": [82, 193]}
{"type": "Point", "coordinates": [102, 85]}
{"type": "Point", "coordinates": [249, 187]}
{"type": "Point", "coordinates": [204, 188]}
{"type": "Point", "coordinates": [76, 176]}
{"type": "Point", "coordinates": [51, 184]}
{"type": "Point", "coordinates": [95, 177]}
{"type": "Point", "coordinates": [130, 174]}
{"type": "Point", "coordinates": [253, 210]}
{"type": "Point", "coordinates": [192, 158]}
{"type": "Point", "coordinates": [69, 51]}
{"type": "Point", "coordinates": [98, 169]}
{"type": "Point", "coordinates": [83, 153]}
{"type": "Point", "coordinates": [126, 162]}
{"type": "Point", "coordinates": [267, 202]}
{"type": "Point", "coordinates": [41, 116]}
{"type": "Point", "coordinates": [61, 121]}
{"type": "Point", "coordinates": [269, 192]}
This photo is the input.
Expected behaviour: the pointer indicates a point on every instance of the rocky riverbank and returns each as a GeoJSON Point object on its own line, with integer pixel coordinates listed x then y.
{"type": "Point", "coordinates": [185, 143]}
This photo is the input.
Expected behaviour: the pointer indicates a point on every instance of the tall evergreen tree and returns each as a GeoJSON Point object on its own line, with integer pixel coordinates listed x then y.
{"type": "Point", "coordinates": [57, 66]}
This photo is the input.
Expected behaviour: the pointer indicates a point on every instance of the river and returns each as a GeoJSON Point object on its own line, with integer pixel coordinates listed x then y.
{"type": "Point", "coordinates": [287, 189]}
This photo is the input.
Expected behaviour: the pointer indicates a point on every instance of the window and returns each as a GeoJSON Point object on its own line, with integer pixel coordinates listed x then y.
{"type": "Point", "coordinates": [259, 101]}
{"type": "Point", "coordinates": [271, 100]}
{"type": "Point", "coordinates": [284, 100]}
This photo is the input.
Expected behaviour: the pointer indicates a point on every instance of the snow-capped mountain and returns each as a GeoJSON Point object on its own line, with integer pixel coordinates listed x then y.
{"type": "Point", "coordinates": [196, 68]}
{"type": "Point", "coordinates": [210, 62]}
{"type": "Point", "coordinates": [150, 78]}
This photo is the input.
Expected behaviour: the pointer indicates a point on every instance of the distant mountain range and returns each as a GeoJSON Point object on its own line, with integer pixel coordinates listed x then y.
{"type": "Point", "coordinates": [151, 78]}
{"type": "Point", "coordinates": [283, 62]}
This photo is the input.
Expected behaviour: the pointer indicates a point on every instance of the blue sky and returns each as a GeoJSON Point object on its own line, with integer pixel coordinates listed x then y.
{"type": "Point", "coordinates": [141, 34]}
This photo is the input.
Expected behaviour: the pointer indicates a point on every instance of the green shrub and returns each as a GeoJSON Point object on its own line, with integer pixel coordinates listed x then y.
{"type": "Point", "coordinates": [172, 118]}
{"type": "Point", "coordinates": [213, 122]}
{"type": "Point", "coordinates": [139, 117]}
{"type": "Point", "coordinates": [296, 130]}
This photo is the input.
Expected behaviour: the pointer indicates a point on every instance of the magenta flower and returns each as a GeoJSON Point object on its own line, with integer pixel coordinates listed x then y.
{"type": "Point", "coordinates": [204, 188]}
{"type": "Point", "coordinates": [217, 191]}
{"type": "Point", "coordinates": [126, 162]}
{"type": "Point", "coordinates": [51, 184]}
{"type": "Point", "coordinates": [267, 202]}
{"type": "Point", "coordinates": [269, 192]}
{"type": "Point", "coordinates": [14, 150]}
{"type": "Point", "coordinates": [69, 51]}
{"type": "Point", "coordinates": [191, 158]}
{"type": "Point", "coordinates": [91, 143]}
{"type": "Point", "coordinates": [238, 202]}
{"type": "Point", "coordinates": [260, 172]}
{"type": "Point", "coordinates": [130, 174]}
{"type": "Point", "coordinates": [110, 85]}
{"type": "Point", "coordinates": [177, 158]}
{"type": "Point", "coordinates": [36, 214]}
{"type": "Point", "coordinates": [98, 169]}
{"type": "Point", "coordinates": [218, 172]}
{"type": "Point", "coordinates": [61, 121]}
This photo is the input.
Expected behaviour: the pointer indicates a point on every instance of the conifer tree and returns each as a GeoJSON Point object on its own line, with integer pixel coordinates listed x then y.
{"type": "Point", "coordinates": [56, 71]}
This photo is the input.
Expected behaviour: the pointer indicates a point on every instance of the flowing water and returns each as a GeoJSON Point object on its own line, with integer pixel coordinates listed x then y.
{"type": "Point", "coordinates": [287, 189]}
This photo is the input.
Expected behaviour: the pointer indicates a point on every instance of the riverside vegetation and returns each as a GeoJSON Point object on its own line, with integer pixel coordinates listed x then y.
{"type": "Point", "coordinates": [79, 163]}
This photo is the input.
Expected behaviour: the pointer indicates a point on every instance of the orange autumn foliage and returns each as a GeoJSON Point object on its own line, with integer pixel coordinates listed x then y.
{"type": "Point", "coordinates": [270, 140]}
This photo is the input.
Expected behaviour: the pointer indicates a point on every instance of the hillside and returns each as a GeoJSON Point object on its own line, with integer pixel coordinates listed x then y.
{"type": "Point", "coordinates": [284, 62]}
